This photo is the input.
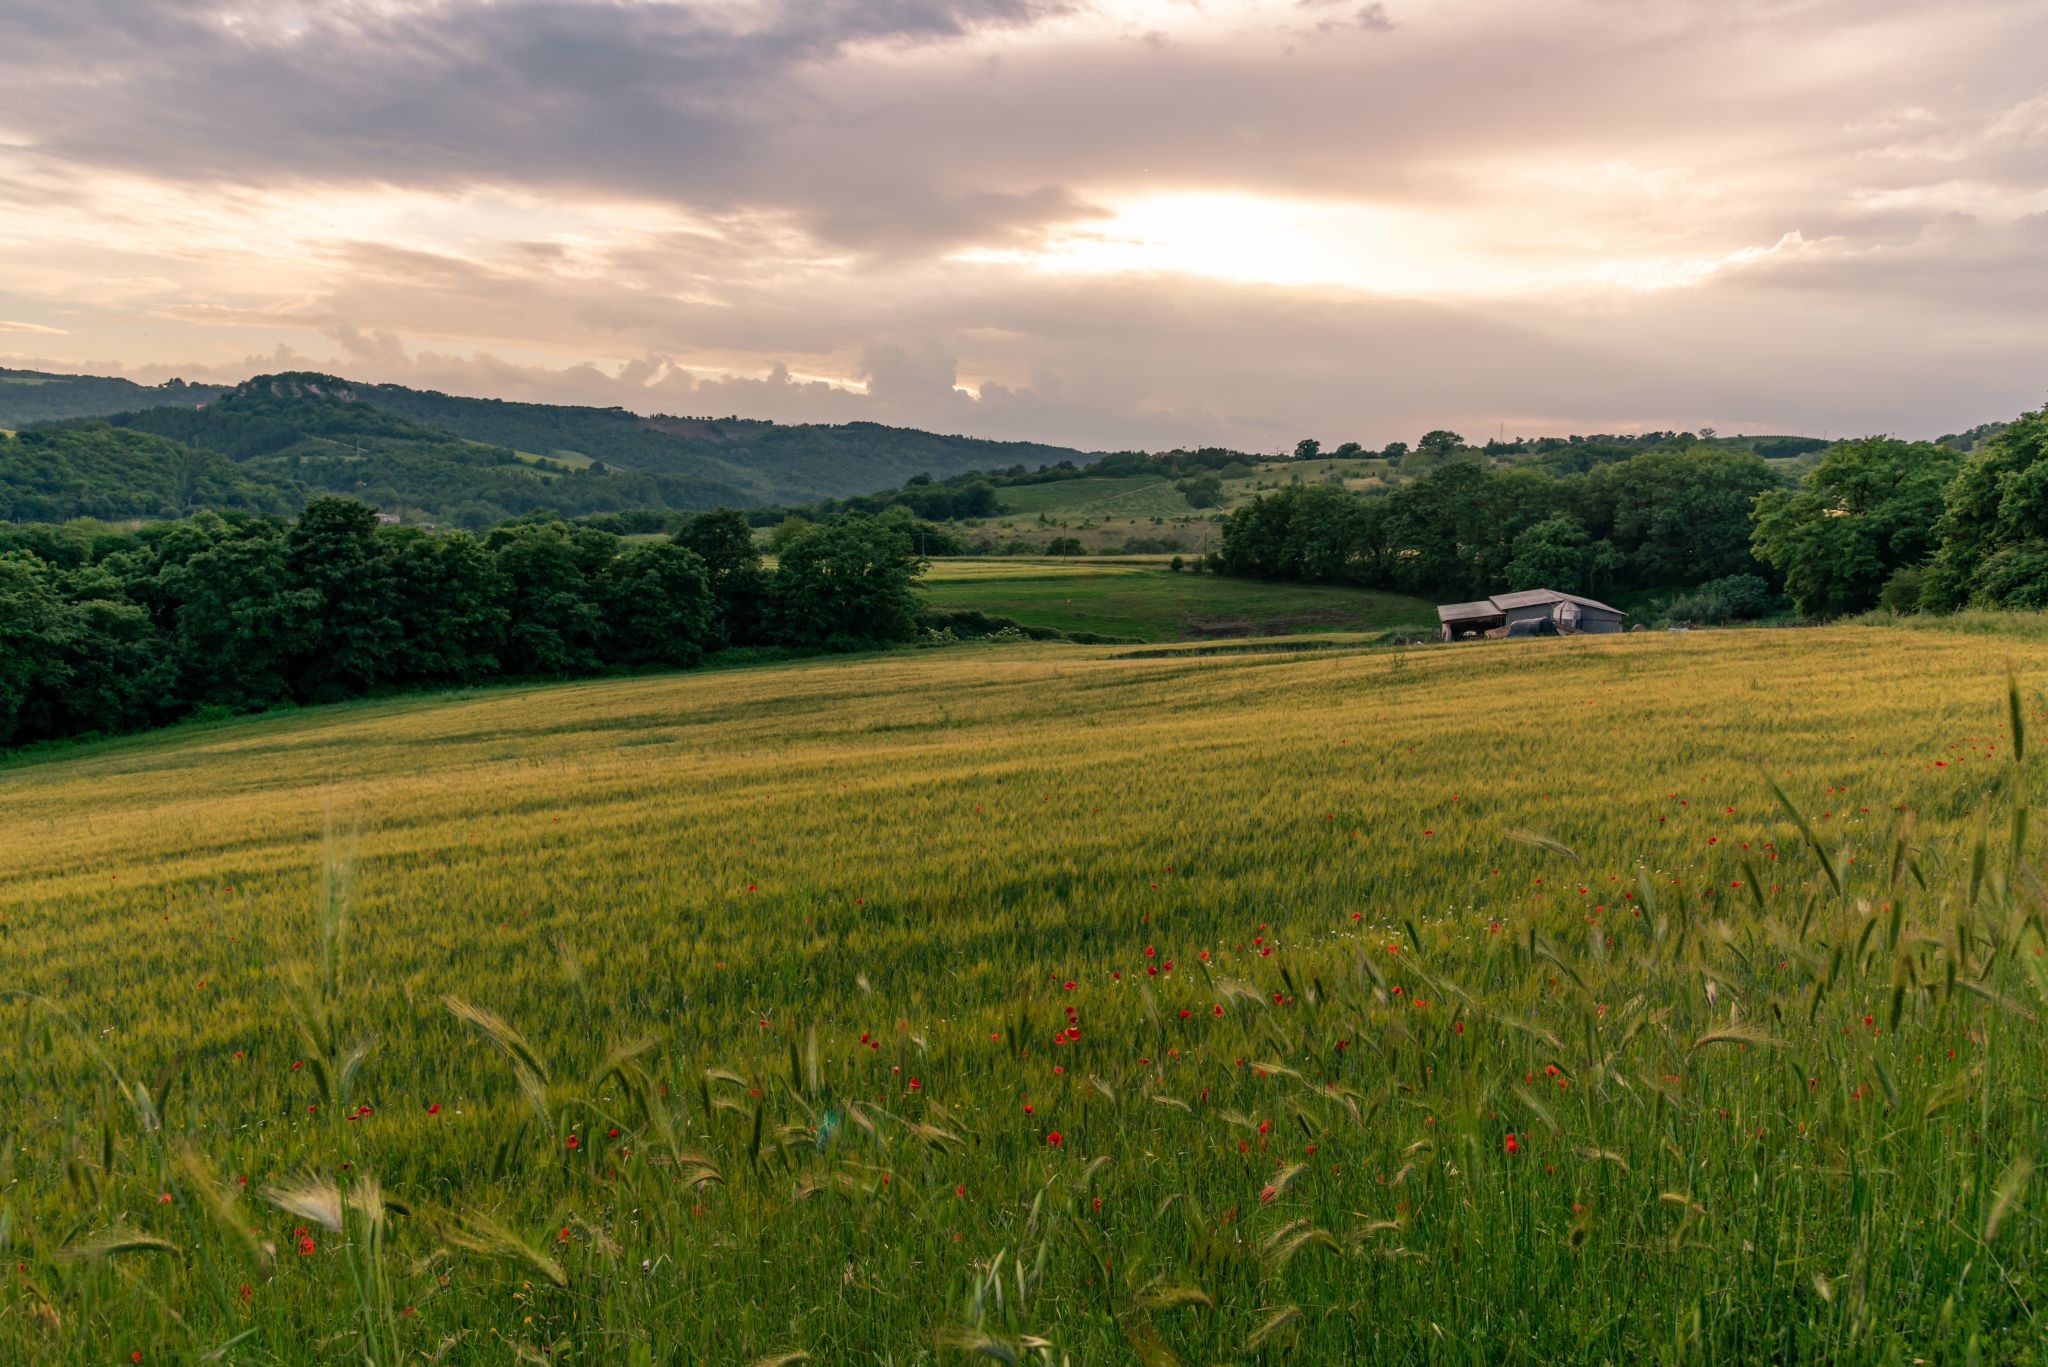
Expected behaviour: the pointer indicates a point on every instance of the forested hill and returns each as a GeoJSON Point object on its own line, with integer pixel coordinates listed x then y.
{"type": "Point", "coordinates": [313, 431]}
{"type": "Point", "coordinates": [32, 396]}
{"type": "Point", "coordinates": [91, 469]}
{"type": "Point", "coordinates": [736, 461]}
{"type": "Point", "coordinates": [774, 462]}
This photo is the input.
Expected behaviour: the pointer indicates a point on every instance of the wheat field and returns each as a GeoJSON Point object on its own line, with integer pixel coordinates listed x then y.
{"type": "Point", "coordinates": [1478, 1004]}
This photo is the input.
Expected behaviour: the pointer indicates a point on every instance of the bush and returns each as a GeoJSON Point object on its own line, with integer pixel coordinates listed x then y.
{"type": "Point", "coordinates": [1736, 598]}
{"type": "Point", "coordinates": [1901, 592]}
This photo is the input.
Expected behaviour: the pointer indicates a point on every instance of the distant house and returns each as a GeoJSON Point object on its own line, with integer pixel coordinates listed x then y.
{"type": "Point", "coordinates": [389, 519]}
{"type": "Point", "coordinates": [1496, 616]}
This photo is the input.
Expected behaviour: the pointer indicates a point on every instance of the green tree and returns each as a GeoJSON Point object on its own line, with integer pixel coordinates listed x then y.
{"type": "Point", "coordinates": [29, 608]}
{"type": "Point", "coordinates": [787, 531]}
{"type": "Point", "coordinates": [556, 623]}
{"type": "Point", "coordinates": [1552, 554]}
{"type": "Point", "coordinates": [1993, 529]}
{"type": "Point", "coordinates": [241, 626]}
{"type": "Point", "coordinates": [724, 541]}
{"type": "Point", "coordinates": [449, 600]}
{"type": "Point", "coordinates": [1680, 516]}
{"type": "Point", "coordinates": [332, 551]}
{"type": "Point", "coordinates": [659, 605]}
{"type": "Point", "coordinates": [1439, 444]}
{"type": "Point", "coordinates": [1867, 510]}
{"type": "Point", "coordinates": [1308, 448]}
{"type": "Point", "coordinates": [847, 583]}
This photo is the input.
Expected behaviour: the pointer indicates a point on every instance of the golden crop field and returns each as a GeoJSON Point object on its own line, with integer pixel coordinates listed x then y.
{"type": "Point", "coordinates": [1473, 1004]}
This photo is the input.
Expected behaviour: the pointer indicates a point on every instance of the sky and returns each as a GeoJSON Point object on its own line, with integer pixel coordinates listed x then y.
{"type": "Point", "coordinates": [1121, 224]}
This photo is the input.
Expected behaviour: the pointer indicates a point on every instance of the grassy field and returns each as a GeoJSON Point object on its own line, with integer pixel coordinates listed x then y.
{"type": "Point", "coordinates": [1469, 1004]}
{"type": "Point", "coordinates": [1105, 513]}
{"type": "Point", "coordinates": [1140, 597]}
{"type": "Point", "coordinates": [1128, 497]}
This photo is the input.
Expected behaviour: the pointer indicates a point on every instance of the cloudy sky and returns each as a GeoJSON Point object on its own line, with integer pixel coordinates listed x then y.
{"type": "Point", "coordinates": [1103, 222]}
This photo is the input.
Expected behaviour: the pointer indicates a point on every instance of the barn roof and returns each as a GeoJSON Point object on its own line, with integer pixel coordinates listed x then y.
{"type": "Point", "coordinates": [1461, 612]}
{"type": "Point", "coordinates": [1529, 598]}
{"type": "Point", "coordinates": [1525, 598]}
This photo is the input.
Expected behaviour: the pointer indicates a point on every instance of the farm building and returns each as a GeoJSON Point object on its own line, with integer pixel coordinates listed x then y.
{"type": "Point", "coordinates": [1499, 615]}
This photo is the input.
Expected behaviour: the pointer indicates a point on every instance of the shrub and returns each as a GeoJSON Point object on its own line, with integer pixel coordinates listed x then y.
{"type": "Point", "coordinates": [1735, 598]}
{"type": "Point", "coordinates": [1901, 592]}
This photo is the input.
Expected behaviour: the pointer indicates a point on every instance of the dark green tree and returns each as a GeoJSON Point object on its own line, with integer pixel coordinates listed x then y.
{"type": "Point", "coordinates": [450, 603]}
{"type": "Point", "coordinates": [1867, 510]}
{"type": "Point", "coordinates": [242, 626]}
{"type": "Point", "coordinates": [332, 551]}
{"type": "Point", "coordinates": [1993, 529]}
{"type": "Point", "coordinates": [659, 606]}
{"type": "Point", "coordinates": [1555, 553]}
{"type": "Point", "coordinates": [556, 624]}
{"type": "Point", "coordinates": [724, 541]}
{"type": "Point", "coordinates": [847, 583]}
{"type": "Point", "coordinates": [1680, 516]}
{"type": "Point", "coordinates": [1439, 444]}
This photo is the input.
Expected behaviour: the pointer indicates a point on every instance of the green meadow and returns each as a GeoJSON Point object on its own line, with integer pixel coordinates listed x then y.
{"type": "Point", "coordinates": [1665, 999]}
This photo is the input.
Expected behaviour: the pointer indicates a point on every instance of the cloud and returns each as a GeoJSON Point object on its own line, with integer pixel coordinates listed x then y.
{"type": "Point", "coordinates": [1123, 222]}
{"type": "Point", "coordinates": [7, 325]}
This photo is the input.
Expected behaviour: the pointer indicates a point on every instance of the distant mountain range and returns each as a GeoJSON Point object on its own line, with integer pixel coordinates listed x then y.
{"type": "Point", "coordinates": [433, 455]}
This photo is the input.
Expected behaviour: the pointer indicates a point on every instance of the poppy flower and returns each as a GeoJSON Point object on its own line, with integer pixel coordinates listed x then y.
{"type": "Point", "coordinates": [1053, 1138]}
{"type": "Point", "coordinates": [433, 1108]}
{"type": "Point", "coordinates": [1509, 1143]}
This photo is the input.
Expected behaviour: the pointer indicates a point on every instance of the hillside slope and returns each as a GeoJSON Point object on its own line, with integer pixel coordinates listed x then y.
{"type": "Point", "coordinates": [314, 430]}
{"type": "Point", "coordinates": [732, 461]}
{"type": "Point", "coordinates": [32, 396]}
{"type": "Point", "coordinates": [93, 469]}
{"type": "Point", "coordinates": [774, 462]}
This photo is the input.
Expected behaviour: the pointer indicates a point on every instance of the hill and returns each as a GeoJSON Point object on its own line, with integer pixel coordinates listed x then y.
{"type": "Point", "coordinates": [737, 462]}
{"type": "Point", "coordinates": [1237, 1000]}
{"type": "Point", "coordinates": [772, 462]}
{"type": "Point", "coordinates": [315, 431]}
{"type": "Point", "coordinates": [33, 396]}
{"type": "Point", "coordinates": [92, 469]}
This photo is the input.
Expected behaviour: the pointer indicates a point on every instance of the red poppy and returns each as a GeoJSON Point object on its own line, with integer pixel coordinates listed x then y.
{"type": "Point", "coordinates": [1509, 1143]}
{"type": "Point", "coordinates": [433, 1108]}
{"type": "Point", "coordinates": [1053, 1138]}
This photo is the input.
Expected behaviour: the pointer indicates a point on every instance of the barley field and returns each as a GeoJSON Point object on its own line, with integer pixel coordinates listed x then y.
{"type": "Point", "coordinates": [1037, 1003]}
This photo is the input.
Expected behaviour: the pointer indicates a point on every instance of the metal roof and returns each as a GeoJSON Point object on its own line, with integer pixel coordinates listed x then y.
{"type": "Point", "coordinates": [1525, 598]}
{"type": "Point", "coordinates": [1529, 598]}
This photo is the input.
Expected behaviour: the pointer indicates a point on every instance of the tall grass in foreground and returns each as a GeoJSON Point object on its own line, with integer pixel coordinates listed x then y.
{"type": "Point", "coordinates": [1714, 1074]}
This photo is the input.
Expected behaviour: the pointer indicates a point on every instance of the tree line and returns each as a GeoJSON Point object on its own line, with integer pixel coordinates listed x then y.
{"type": "Point", "coordinates": [1470, 527]}
{"type": "Point", "coordinates": [1909, 525]}
{"type": "Point", "coordinates": [227, 612]}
